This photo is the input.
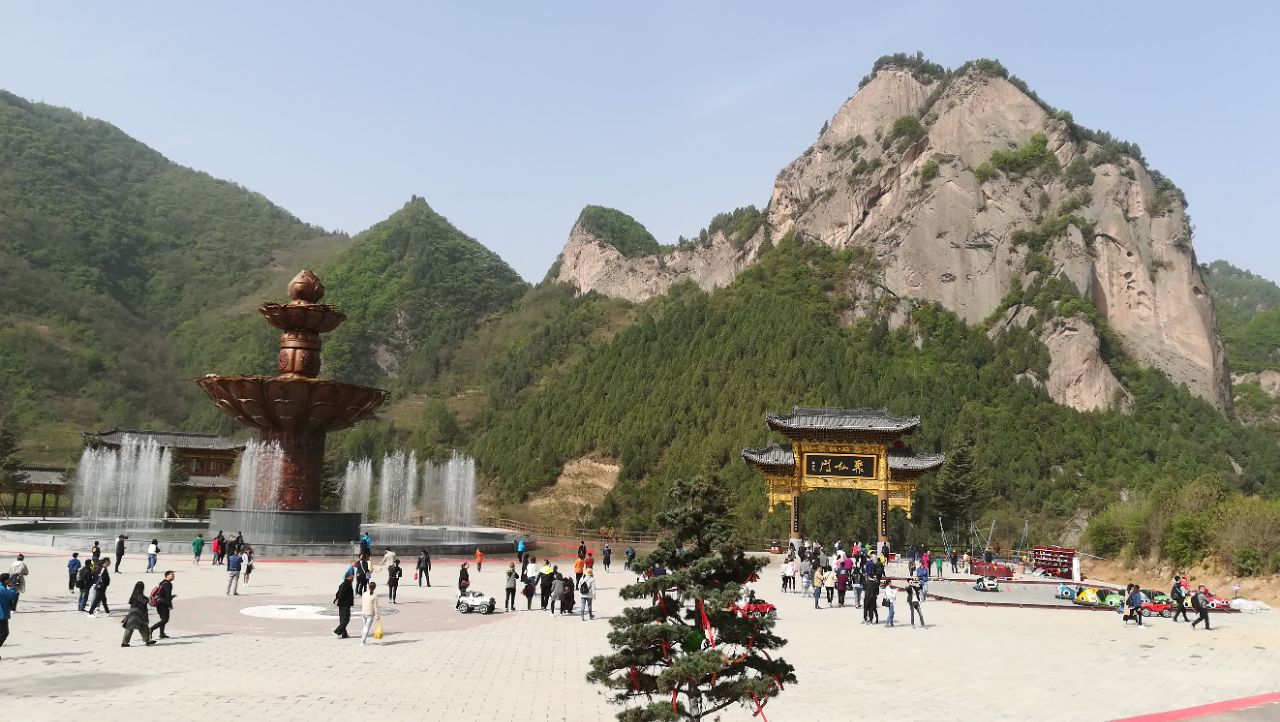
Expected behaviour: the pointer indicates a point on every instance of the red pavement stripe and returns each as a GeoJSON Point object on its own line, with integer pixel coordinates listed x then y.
{"type": "Point", "coordinates": [1205, 710]}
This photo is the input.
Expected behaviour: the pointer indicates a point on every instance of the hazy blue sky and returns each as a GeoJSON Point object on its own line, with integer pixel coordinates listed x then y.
{"type": "Point", "coordinates": [509, 118]}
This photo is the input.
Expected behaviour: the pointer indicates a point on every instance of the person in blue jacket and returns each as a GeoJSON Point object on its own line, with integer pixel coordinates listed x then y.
{"type": "Point", "coordinates": [8, 602]}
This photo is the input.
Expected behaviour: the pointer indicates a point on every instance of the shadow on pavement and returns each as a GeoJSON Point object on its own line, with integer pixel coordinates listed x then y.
{"type": "Point", "coordinates": [65, 685]}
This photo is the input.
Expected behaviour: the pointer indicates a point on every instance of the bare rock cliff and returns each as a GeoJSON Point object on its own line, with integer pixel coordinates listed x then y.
{"type": "Point", "coordinates": [904, 168]}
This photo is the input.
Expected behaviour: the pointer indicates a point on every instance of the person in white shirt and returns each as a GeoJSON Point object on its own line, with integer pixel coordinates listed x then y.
{"type": "Point", "coordinates": [889, 594]}
{"type": "Point", "coordinates": [153, 551]}
{"type": "Point", "coordinates": [369, 611]}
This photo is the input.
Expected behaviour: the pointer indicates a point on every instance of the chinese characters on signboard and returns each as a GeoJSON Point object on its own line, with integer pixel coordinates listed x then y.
{"type": "Point", "coordinates": [795, 514]}
{"type": "Point", "coordinates": [856, 465]}
{"type": "Point", "coordinates": [884, 518]}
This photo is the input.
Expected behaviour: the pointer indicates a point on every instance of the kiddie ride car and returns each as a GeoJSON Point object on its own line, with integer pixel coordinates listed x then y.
{"type": "Point", "coordinates": [756, 607]}
{"type": "Point", "coordinates": [987, 584]}
{"type": "Point", "coordinates": [1215, 602]}
{"type": "Point", "coordinates": [1066, 591]}
{"type": "Point", "coordinates": [474, 601]}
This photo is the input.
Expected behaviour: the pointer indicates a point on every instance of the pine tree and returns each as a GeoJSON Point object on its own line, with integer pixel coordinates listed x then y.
{"type": "Point", "coordinates": [955, 490]}
{"type": "Point", "coordinates": [10, 477]}
{"type": "Point", "coordinates": [688, 652]}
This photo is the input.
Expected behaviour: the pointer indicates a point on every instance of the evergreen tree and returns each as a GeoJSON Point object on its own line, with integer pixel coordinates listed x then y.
{"type": "Point", "coordinates": [10, 477]}
{"type": "Point", "coordinates": [955, 490]}
{"type": "Point", "coordinates": [689, 653]}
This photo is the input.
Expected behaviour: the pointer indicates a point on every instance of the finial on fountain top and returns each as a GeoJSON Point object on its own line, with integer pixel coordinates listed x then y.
{"type": "Point", "coordinates": [306, 288]}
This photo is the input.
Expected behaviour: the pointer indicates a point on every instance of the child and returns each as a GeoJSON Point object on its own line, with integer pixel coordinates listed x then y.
{"type": "Point", "coordinates": [479, 559]}
{"type": "Point", "coordinates": [73, 569]}
{"type": "Point", "coordinates": [806, 580]}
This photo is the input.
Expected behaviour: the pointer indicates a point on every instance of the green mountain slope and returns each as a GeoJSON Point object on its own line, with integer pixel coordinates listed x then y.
{"type": "Point", "coordinates": [1248, 309]}
{"type": "Point", "coordinates": [684, 388]}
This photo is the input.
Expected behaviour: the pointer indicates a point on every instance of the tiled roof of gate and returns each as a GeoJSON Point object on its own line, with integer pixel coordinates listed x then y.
{"type": "Point", "coordinates": [45, 475]}
{"type": "Point", "coordinates": [841, 420]}
{"type": "Point", "coordinates": [900, 459]}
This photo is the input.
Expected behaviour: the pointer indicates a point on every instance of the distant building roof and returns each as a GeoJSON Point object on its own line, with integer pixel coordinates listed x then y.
{"type": "Point", "coordinates": [874, 420]}
{"type": "Point", "coordinates": [900, 458]}
{"type": "Point", "coordinates": [211, 482]}
{"type": "Point", "coordinates": [173, 439]}
{"type": "Point", "coordinates": [43, 475]}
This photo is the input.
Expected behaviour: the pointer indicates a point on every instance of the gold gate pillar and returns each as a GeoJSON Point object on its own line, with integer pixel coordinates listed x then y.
{"type": "Point", "coordinates": [795, 513]}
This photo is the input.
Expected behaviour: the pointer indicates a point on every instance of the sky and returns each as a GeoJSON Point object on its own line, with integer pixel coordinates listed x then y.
{"type": "Point", "coordinates": [510, 117]}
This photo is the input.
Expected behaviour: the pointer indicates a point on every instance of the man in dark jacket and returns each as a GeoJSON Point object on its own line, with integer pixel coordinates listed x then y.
{"type": "Point", "coordinates": [164, 602]}
{"type": "Point", "coordinates": [394, 572]}
{"type": "Point", "coordinates": [100, 585]}
{"type": "Point", "coordinates": [424, 567]}
{"type": "Point", "coordinates": [582, 549]}
{"type": "Point", "coordinates": [84, 582]}
{"type": "Point", "coordinates": [119, 551]}
{"type": "Point", "coordinates": [344, 599]}
{"type": "Point", "coordinates": [1178, 600]}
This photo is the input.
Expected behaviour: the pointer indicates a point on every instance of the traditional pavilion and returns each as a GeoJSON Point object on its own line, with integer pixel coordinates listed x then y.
{"type": "Point", "coordinates": [207, 459]}
{"type": "Point", "coordinates": [859, 449]}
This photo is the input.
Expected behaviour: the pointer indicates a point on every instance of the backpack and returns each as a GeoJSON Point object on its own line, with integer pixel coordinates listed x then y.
{"type": "Point", "coordinates": [583, 589]}
{"type": "Point", "coordinates": [154, 599]}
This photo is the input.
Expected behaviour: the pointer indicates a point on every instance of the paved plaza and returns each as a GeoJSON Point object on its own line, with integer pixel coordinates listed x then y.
{"type": "Point", "coordinates": [269, 654]}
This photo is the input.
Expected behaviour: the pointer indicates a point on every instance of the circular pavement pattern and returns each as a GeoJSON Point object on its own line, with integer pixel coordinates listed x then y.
{"type": "Point", "coordinates": [299, 611]}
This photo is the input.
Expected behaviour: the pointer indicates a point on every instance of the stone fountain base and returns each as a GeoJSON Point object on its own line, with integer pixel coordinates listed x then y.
{"type": "Point", "coordinates": [287, 527]}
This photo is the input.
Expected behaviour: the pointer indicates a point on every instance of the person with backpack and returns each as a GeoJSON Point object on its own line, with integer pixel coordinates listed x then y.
{"type": "Point", "coordinates": [629, 555]}
{"type": "Point", "coordinates": [1178, 599]}
{"type": "Point", "coordinates": [587, 592]}
{"type": "Point", "coordinates": [1200, 603]}
{"type": "Point", "coordinates": [344, 600]}
{"type": "Point", "coordinates": [1133, 602]}
{"type": "Point", "coordinates": [100, 584]}
{"type": "Point", "coordinates": [513, 577]}
{"type": "Point", "coordinates": [234, 563]}
{"type": "Point", "coordinates": [606, 557]}
{"type": "Point", "coordinates": [162, 599]}
{"type": "Point", "coordinates": [84, 582]}
{"type": "Point", "coordinates": [197, 547]}
{"type": "Point", "coordinates": [136, 620]}
{"type": "Point", "coordinates": [424, 567]}
{"type": "Point", "coordinates": [394, 572]}
{"type": "Point", "coordinates": [73, 569]}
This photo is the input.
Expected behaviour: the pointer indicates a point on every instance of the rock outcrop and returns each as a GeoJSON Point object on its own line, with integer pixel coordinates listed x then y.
{"type": "Point", "coordinates": [1078, 377]}
{"type": "Point", "coordinates": [904, 169]}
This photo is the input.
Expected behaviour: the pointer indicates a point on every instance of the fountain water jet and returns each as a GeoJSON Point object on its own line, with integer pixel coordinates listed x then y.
{"type": "Point", "coordinates": [131, 482]}
{"type": "Point", "coordinates": [449, 490]}
{"type": "Point", "coordinates": [397, 487]}
{"type": "Point", "coordinates": [258, 483]}
{"type": "Point", "coordinates": [356, 483]}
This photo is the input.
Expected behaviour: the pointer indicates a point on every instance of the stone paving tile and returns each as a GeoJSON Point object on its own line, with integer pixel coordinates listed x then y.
{"type": "Point", "coordinates": [435, 664]}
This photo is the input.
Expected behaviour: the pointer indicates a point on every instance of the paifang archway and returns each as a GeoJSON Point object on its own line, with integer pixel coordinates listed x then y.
{"type": "Point", "coordinates": [859, 449]}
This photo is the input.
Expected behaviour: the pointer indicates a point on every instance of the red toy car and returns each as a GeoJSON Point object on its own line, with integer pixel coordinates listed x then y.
{"type": "Point", "coordinates": [759, 608]}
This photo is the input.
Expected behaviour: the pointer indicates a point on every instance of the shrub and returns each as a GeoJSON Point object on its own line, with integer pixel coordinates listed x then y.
{"type": "Point", "coordinates": [1188, 538]}
{"type": "Point", "coordinates": [928, 171]}
{"type": "Point", "coordinates": [984, 172]}
{"type": "Point", "coordinates": [907, 128]}
{"type": "Point", "coordinates": [1079, 173]}
{"type": "Point", "coordinates": [1035, 155]}
{"type": "Point", "coordinates": [1248, 562]}
{"type": "Point", "coordinates": [920, 68]}
{"type": "Point", "coordinates": [1075, 202]}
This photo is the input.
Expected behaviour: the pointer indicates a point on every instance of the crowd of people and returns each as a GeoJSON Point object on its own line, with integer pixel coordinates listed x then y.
{"type": "Point", "coordinates": [856, 576]}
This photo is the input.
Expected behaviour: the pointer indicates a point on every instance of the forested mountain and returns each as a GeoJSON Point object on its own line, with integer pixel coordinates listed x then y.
{"type": "Point", "coordinates": [1248, 308]}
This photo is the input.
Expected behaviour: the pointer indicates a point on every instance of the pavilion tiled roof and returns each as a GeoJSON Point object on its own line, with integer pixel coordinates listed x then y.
{"type": "Point", "coordinates": [875, 420]}
{"type": "Point", "coordinates": [43, 475]}
{"type": "Point", "coordinates": [774, 454]}
{"type": "Point", "coordinates": [172, 439]}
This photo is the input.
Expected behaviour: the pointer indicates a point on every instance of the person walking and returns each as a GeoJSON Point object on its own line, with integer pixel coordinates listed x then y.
{"type": "Point", "coordinates": [855, 579]}
{"type": "Point", "coordinates": [388, 556]}
{"type": "Point", "coordinates": [579, 565]}
{"type": "Point", "coordinates": [366, 544]}
{"type": "Point", "coordinates": [363, 572]}
{"type": "Point", "coordinates": [136, 619]}
{"type": "Point", "coordinates": [546, 577]}
{"type": "Point", "coordinates": [937, 566]}
{"type": "Point", "coordinates": [1178, 598]}
{"type": "Point", "coordinates": [606, 557]}
{"type": "Point", "coordinates": [344, 600]}
{"type": "Point", "coordinates": [216, 546]}
{"type": "Point", "coordinates": [424, 567]}
{"type": "Point", "coordinates": [100, 585]}
{"type": "Point", "coordinates": [587, 593]}
{"type": "Point", "coordinates": [369, 611]}
{"type": "Point", "coordinates": [870, 607]}
{"type": "Point", "coordinates": [955, 562]}
{"type": "Point", "coordinates": [394, 572]}
{"type": "Point", "coordinates": [479, 559]}
{"type": "Point", "coordinates": [819, 579]}
{"type": "Point", "coordinates": [95, 553]}
{"type": "Point", "coordinates": [1133, 601]}
{"type": "Point", "coordinates": [513, 577]}
{"type": "Point", "coordinates": [842, 584]}
{"type": "Point", "coordinates": [119, 550]}
{"type": "Point", "coordinates": [234, 563]}
{"type": "Point", "coordinates": [247, 565]}
{"type": "Point", "coordinates": [164, 603]}
{"type": "Point", "coordinates": [922, 576]}
{"type": "Point", "coordinates": [889, 595]}
{"type": "Point", "coordinates": [520, 551]}
{"type": "Point", "coordinates": [1200, 603]}
{"type": "Point", "coordinates": [464, 578]}
{"type": "Point", "coordinates": [8, 603]}
{"type": "Point", "coordinates": [153, 553]}
{"type": "Point", "coordinates": [73, 569]}
{"type": "Point", "coordinates": [84, 582]}
{"type": "Point", "coordinates": [197, 547]}
{"type": "Point", "coordinates": [914, 597]}
{"type": "Point", "coordinates": [829, 584]}
{"type": "Point", "coordinates": [582, 549]}
{"type": "Point", "coordinates": [628, 556]}
{"type": "Point", "coordinates": [557, 592]}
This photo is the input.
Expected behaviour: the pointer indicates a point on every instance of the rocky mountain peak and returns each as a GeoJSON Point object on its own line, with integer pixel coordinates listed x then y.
{"type": "Point", "coordinates": [974, 193]}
